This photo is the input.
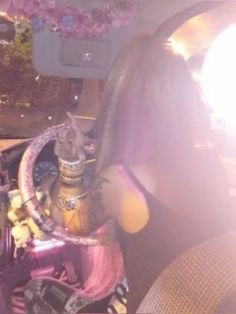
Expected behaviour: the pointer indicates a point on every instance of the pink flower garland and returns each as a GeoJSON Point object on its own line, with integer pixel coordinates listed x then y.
{"type": "Point", "coordinates": [69, 20]}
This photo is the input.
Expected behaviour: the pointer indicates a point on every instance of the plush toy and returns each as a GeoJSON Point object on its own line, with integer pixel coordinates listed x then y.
{"type": "Point", "coordinates": [24, 229]}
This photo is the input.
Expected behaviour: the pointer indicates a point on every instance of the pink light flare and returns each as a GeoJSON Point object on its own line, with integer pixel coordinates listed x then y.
{"type": "Point", "coordinates": [218, 79]}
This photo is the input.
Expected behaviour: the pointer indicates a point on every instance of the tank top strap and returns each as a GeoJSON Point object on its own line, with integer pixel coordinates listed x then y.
{"type": "Point", "coordinates": [136, 181]}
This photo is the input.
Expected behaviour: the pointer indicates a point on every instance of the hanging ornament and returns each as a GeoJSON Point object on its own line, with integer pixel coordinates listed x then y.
{"type": "Point", "coordinates": [53, 28]}
{"type": "Point", "coordinates": [37, 24]}
{"type": "Point", "coordinates": [70, 20]}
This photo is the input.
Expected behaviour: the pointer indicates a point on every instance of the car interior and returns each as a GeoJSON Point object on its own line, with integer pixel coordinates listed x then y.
{"type": "Point", "coordinates": [51, 63]}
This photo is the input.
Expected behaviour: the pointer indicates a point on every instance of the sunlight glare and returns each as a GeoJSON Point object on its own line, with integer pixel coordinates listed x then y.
{"type": "Point", "coordinates": [218, 78]}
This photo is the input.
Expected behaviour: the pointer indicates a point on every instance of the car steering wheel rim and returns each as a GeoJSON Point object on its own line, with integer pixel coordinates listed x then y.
{"type": "Point", "coordinates": [101, 256]}
{"type": "Point", "coordinates": [35, 210]}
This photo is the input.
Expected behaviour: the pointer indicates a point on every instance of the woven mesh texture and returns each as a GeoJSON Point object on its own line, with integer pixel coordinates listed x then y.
{"type": "Point", "coordinates": [196, 282]}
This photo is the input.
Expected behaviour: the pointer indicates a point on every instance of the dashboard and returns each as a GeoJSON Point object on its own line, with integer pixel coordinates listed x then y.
{"type": "Point", "coordinates": [10, 158]}
{"type": "Point", "coordinates": [46, 164]}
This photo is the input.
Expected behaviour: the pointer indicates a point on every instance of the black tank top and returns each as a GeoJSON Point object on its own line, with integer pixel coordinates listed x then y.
{"type": "Point", "coordinates": [166, 235]}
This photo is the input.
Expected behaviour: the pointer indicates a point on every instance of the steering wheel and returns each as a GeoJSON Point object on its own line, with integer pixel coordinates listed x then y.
{"type": "Point", "coordinates": [100, 252]}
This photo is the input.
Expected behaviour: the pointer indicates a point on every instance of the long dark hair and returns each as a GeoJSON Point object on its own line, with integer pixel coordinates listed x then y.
{"type": "Point", "coordinates": [149, 104]}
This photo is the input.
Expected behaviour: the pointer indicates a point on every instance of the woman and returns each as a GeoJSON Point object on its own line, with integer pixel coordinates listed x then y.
{"type": "Point", "coordinates": [165, 185]}
{"type": "Point", "coordinates": [156, 173]}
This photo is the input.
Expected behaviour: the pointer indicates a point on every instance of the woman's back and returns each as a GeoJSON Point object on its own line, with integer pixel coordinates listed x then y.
{"type": "Point", "coordinates": [187, 181]}
{"type": "Point", "coordinates": [188, 203]}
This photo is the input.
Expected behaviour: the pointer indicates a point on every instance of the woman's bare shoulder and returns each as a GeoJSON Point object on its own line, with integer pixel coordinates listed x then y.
{"type": "Point", "coordinates": [123, 200]}
{"type": "Point", "coordinates": [146, 174]}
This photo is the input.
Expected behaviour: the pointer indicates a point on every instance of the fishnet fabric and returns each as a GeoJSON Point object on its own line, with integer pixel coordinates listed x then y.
{"type": "Point", "coordinates": [197, 282]}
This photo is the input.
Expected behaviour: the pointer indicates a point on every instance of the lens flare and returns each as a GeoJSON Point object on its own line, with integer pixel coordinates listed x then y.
{"type": "Point", "coordinates": [218, 79]}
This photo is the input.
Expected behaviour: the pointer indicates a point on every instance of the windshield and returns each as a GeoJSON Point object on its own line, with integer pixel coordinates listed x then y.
{"type": "Point", "coordinates": [30, 102]}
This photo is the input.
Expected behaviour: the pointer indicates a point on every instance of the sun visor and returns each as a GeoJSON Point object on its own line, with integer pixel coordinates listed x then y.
{"type": "Point", "coordinates": [55, 55]}
{"type": "Point", "coordinates": [77, 58]}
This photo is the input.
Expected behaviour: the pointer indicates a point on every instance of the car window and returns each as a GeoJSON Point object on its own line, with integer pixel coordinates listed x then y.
{"type": "Point", "coordinates": [29, 102]}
